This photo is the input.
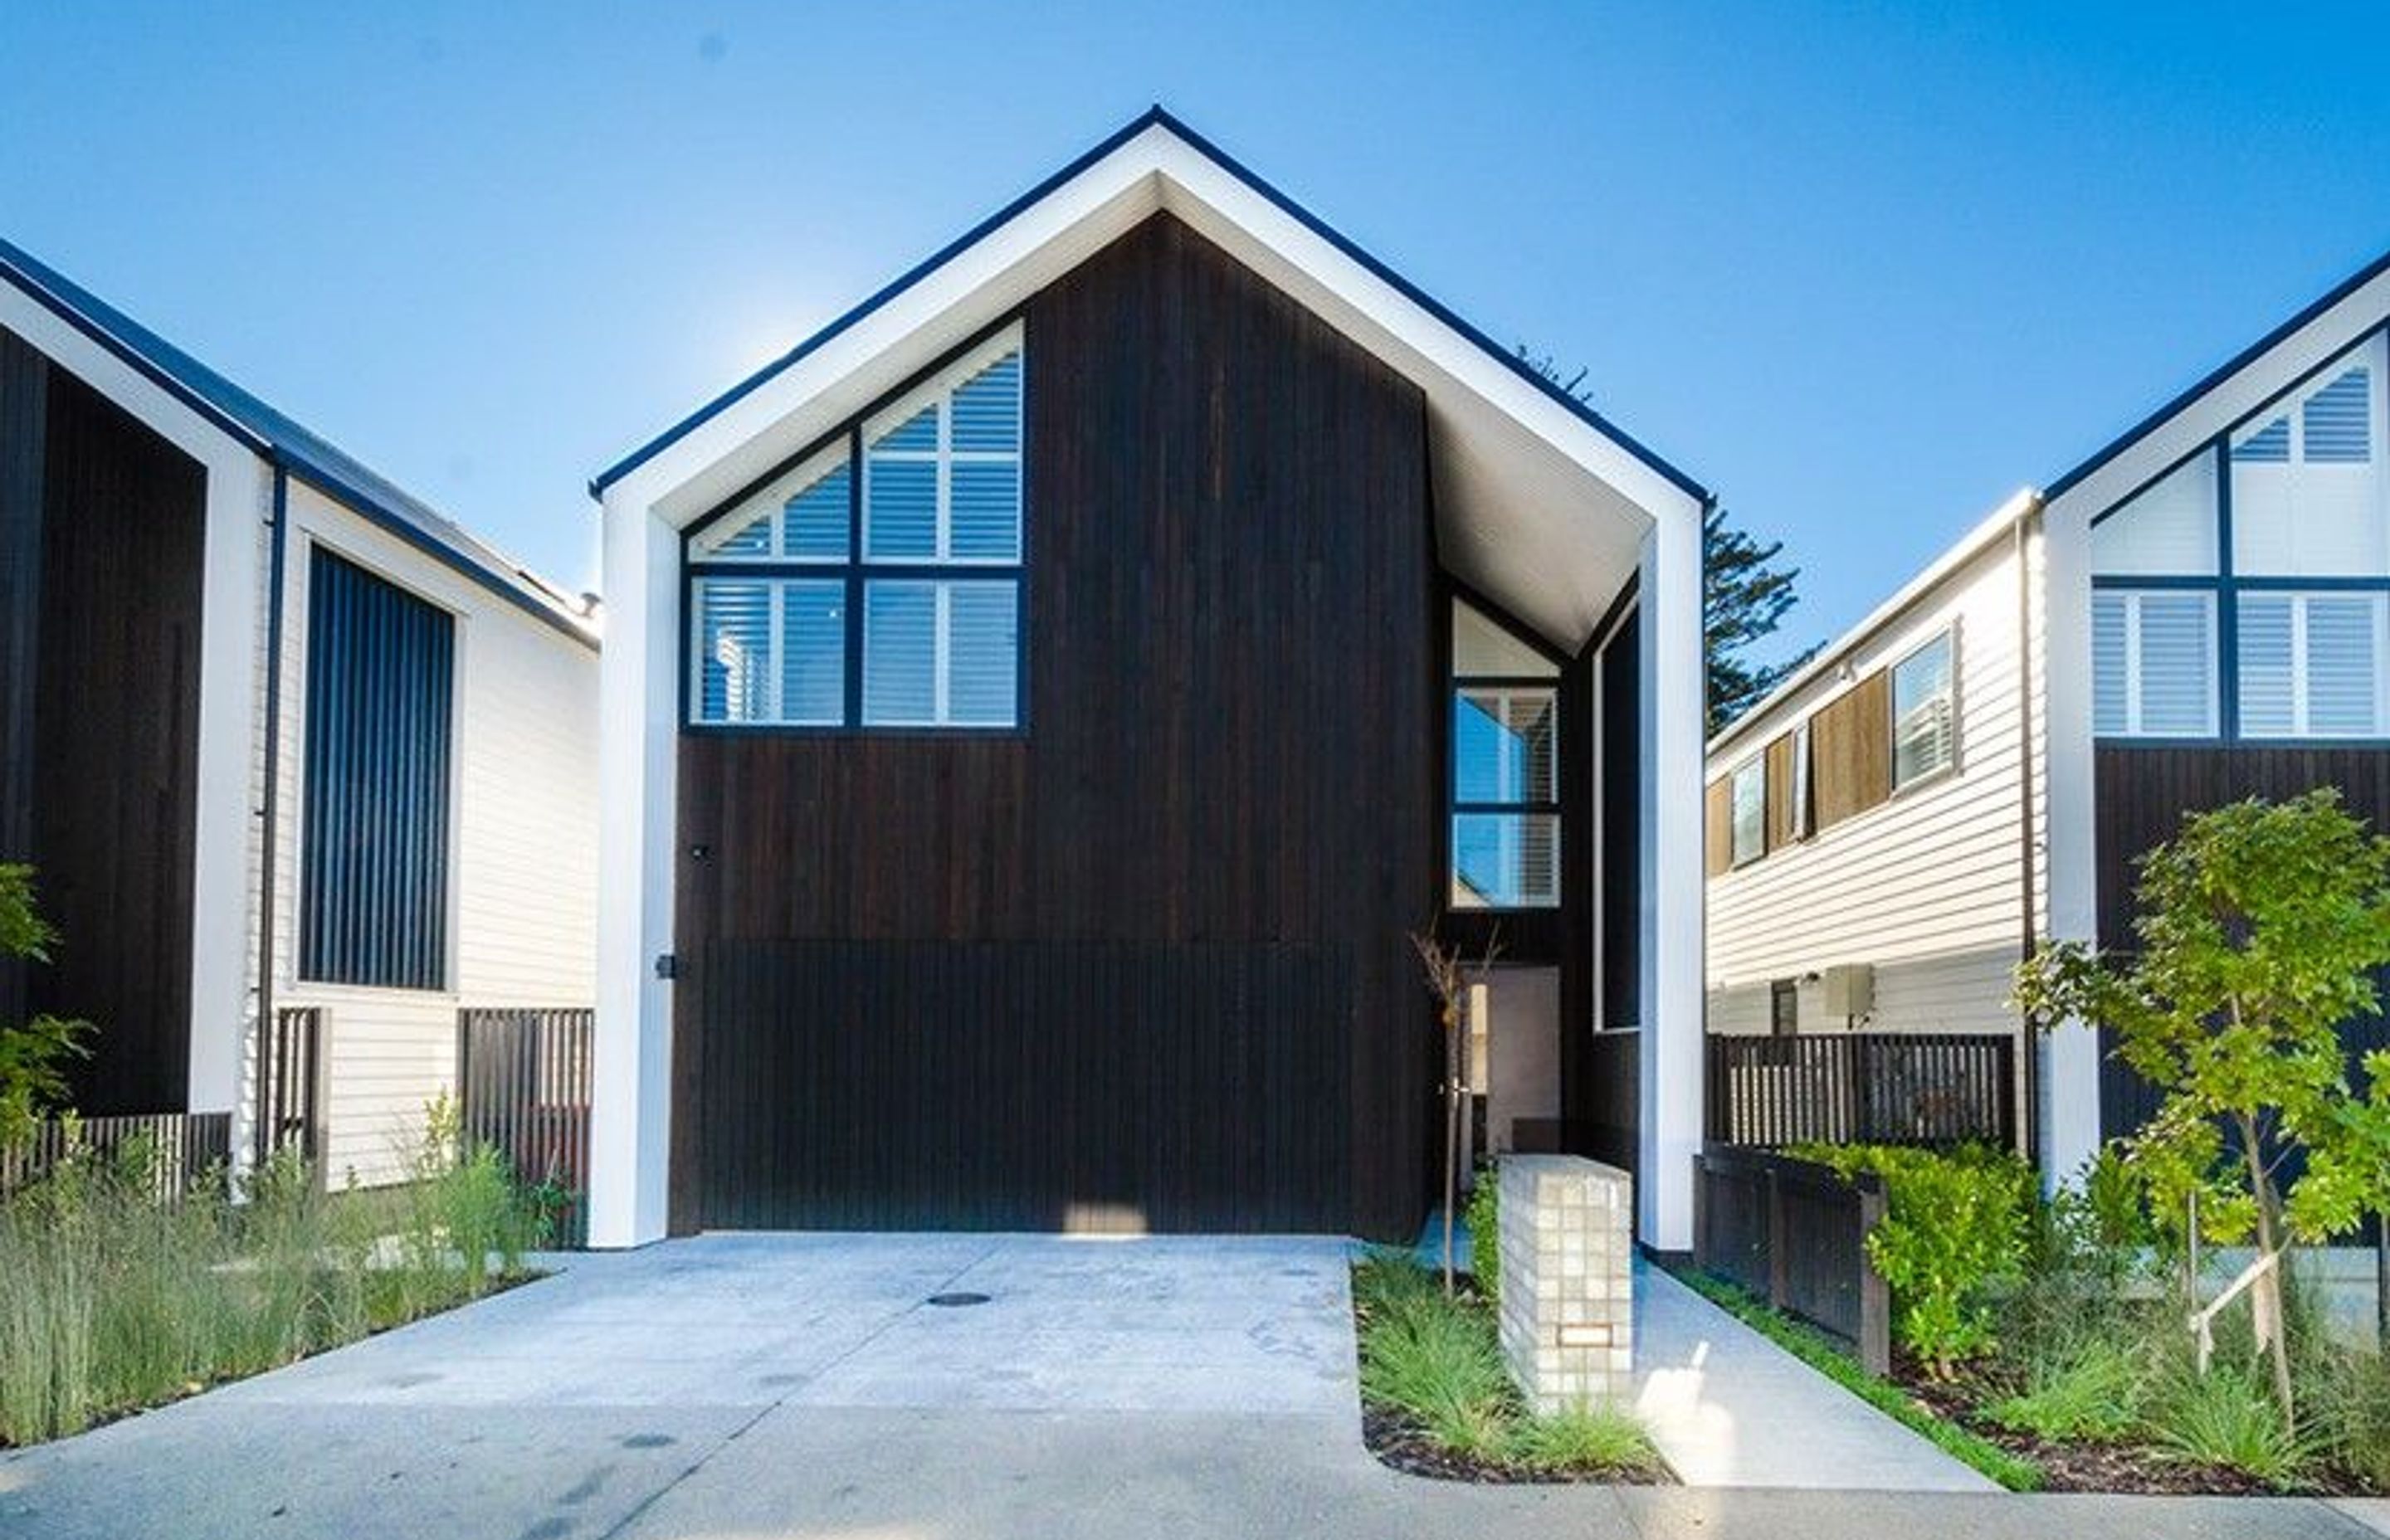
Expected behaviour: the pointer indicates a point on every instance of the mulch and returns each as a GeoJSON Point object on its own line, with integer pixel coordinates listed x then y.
{"type": "Point", "coordinates": [2111, 1468]}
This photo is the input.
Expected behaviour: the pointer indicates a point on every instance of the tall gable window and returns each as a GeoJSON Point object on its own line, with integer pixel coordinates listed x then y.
{"type": "Point", "coordinates": [373, 878]}
{"type": "Point", "coordinates": [2246, 594]}
{"type": "Point", "coordinates": [1506, 820]}
{"type": "Point", "coordinates": [887, 598]}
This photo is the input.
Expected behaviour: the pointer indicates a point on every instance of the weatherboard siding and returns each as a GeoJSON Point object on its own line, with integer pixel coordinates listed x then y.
{"type": "Point", "coordinates": [1925, 886]}
{"type": "Point", "coordinates": [523, 867]}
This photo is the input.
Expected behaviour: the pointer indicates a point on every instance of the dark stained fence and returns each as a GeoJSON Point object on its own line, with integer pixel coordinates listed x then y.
{"type": "Point", "coordinates": [1930, 1089]}
{"type": "Point", "coordinates": [524, 1080]}
{"type": "Point", "coordinates": [186, 1148]}
{"type": "Point", "coordinates": [290, 1085]}
{"type": "Point", "coordinates": [1794, 1235]}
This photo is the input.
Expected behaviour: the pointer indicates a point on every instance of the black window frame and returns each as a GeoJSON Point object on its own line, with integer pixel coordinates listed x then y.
{"type": "Point", "coordinates": [1456, 685]}
{"type": "Point", "coordinates": [856, 573]}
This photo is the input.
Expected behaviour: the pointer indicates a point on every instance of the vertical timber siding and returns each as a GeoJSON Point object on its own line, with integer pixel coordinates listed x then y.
{"type": "Point", "coordinates": [1143, 962]}
{"type": "Point", "coordinates": [102, 530]}
{"type": "Point", "coordinates": [2139, 796]}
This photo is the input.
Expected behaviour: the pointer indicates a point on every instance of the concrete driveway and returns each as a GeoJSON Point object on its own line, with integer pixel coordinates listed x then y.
{"type": "Point", "coordinates": [800, 1386]}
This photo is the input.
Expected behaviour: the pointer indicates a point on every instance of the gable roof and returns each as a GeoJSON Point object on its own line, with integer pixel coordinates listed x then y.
{"type": "Point", "coordinates": [2223, 374]}
{"type": "Point", "coordinates": [1154, 116]}
{"type": "Point", "coordinates": [289, 445]}
{"type": "Point", "coordinates": [1541, 499]}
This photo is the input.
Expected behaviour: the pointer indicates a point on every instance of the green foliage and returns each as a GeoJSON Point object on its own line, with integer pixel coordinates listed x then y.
{"type": "Point", "coordinates": [1438, 1360]}
{"type": "Point", "coordinates": [2260, 927]}
{"type": "Point", "coordinates": [34, 1053]}
{"type": "Point", "coordinates": [1956, 1225]}
{"type": "Point", "coordinates": [1484, 1213]}
{"type": "Point", "coordinates": [2092, 1390]}
{"type": "Point", "coordinates": [110, 1301]}
{"type": "Point", "coordinates": [1592, 1437]}
{"type": "Point", "coordinates": [2351, 1392]}
{"type": "Point", "coordinates": [2227, 1416]}
{"type": "Point", "coordinates": [1812, 1348]}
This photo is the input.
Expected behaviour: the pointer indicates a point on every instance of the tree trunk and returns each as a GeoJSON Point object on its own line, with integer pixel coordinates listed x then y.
{"type": "Point", "coordinates": [2265, 1294]}
{"type": "Point", "coordinates": [1451, 1137]}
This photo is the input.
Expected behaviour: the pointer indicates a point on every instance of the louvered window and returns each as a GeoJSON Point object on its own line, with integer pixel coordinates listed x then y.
{"type": "Point", "coordinates": [1924, 713]}
{"type": "Point", "coordinates": [2308, 494]}
{"type": "Point", "coordinates": [2153, 663]}
{"type": "Point", "coordinates": [890, 599]}
{"type": "Point", "coordinates": [373, 874]}
{"type": "Point", "coordinates": [1506, 820]}
{"type": "Point", "coordinates": [2311, 665]}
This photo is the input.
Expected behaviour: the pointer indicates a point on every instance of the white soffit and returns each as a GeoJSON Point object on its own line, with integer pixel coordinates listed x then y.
{"type": "Point", "coordinates": [1536, 507]}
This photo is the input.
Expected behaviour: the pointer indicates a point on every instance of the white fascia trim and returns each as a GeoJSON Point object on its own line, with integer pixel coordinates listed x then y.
{"type": "Point", "coordinates": [2226, 402]}
{"type": "Point", "coordinates": [1155, 170]}
{"type": "Point", "coordinates": [1974, 543]}
{"type": "Point", "coordinates": [238, 497]}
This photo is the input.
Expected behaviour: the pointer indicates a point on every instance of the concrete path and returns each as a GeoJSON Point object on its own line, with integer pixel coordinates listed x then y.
{"type": "Point", "coordinates": [796, 1386]}
{"type": "Point", "coordinates": [1727, 1407]}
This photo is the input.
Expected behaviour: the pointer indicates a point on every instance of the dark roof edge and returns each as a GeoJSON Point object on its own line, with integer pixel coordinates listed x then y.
{"type": "Point", "coordinates": [2186, 398]}
{"type": "Point", "coordinates": [1155, 116]}
{"type": "Point", "coordinates": [66, 301]}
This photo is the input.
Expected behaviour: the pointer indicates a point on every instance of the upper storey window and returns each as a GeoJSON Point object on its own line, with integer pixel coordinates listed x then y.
{"type": "Point", "coordinates": [1506, 819]}
{"type": "Point", "coordinates": [887, 599]}
{"type": "Point", "coordinates": [2306, 480]}
{"type": "Point", "coordinates": [2246, 593]}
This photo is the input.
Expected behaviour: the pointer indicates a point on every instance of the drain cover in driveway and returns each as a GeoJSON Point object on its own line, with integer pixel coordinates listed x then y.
{"type": "Point", "coordinates": [965, 1297]}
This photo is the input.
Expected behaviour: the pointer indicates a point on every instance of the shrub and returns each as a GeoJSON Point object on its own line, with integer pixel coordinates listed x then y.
{"type": "Point", "coordinates": [1594, 1437]}
{"type": "Point", "coordinates": [1955, 1227]}
{"type": "Point", "coordinates": [2227, 1417]}
{"type": "Point", "coordinates": [1485, 1232]}
{"type": "Point", "coordinates": [32, 1054]}
{"type": "Point", "coordinates": [2092, 1390]}
{"type": "Point", "coordinates": [2352, 1397]}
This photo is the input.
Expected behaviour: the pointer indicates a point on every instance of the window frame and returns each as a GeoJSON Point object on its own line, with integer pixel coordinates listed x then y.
{"type": "Point", "coordinates": [2226, 585]}
{"type": "Point", "coordinates": [2218, 687]}
{"type": "Point", "coordinates": [2300, 600]}
{"type": "Point", "coordinates": [1945, 635]}
{"type": "Point", "coordinates": [1456, 685]}
{"type": "Point", "coordinates": [857, 571]}
{"type": "Point", "coordinates": [1737, 857]}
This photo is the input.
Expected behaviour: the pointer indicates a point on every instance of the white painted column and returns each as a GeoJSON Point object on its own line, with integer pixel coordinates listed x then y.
{"type": "Point", "coordinates": [2070, 1067]}
{"type": "Point", "coordinates": [631, 1115]}
{"type": "Point", "coordinates": [1669, 614]}
{"type": "Point", "coordinates": [225, 834]}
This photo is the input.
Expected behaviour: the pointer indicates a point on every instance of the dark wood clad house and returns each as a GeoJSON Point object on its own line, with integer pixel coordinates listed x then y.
{"type": "Point", "coordinates": [1038, 708]}
{"type": "Point", "coordinates": [246, 747]}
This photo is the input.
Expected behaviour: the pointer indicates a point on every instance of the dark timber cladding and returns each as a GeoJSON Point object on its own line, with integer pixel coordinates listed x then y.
{"type": "Point", "coordinates": [1144, 962]}
{"type": "Point", "coordinates": [2140, 795]}
{"type": "Point", "coordinates": [102, 524]}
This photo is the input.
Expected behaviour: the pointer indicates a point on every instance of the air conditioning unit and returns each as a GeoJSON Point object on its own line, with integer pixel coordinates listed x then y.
{"type": "Point", "coordinates": [1849, 989]}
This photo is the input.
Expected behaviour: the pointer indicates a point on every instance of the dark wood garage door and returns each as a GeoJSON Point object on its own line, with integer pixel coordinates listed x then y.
{"type": "Point", "coordinates": [1035, 1085]}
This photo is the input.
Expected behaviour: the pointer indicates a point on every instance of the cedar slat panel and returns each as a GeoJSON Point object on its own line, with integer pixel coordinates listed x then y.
{"type": "Point", "coordinates": [1850, 750]}
{"type": "Point", "coordinates": [1780, 792]}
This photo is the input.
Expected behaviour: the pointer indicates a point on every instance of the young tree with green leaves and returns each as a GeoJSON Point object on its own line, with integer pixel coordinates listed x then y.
{"type": "Point", "coordinates": [34, 1053]}
{"type": "Point", "coordinates": [2260, 928]}
{"type": "Point", "coordinates": [1745, 595]}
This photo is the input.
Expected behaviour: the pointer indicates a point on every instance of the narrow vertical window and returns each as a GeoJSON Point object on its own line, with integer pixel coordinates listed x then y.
{"type": "Point", "coordinates": [1924, 713]}
{"type": "Point", "coordinates": [1506, 819]}
{"type": "Point", "coordinates": [1747, 795]}
{"type": "Point", "coordinates": [373, 886]}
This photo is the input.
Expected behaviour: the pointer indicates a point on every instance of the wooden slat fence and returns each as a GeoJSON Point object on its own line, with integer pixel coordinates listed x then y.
{"type": "Point", "coordinates": [1793, 1234]}
{"type": "Point", "coordinates": [290, 1085]}
{"type": "Point", "coordinates": [1908, 1088]}
{"type": "Point", "coordinates": [523, 1078]}
{"type": "Point", "coordinates": [191, 1148]}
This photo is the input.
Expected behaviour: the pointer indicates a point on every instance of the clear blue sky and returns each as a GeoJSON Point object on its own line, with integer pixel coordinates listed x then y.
{"type": "Point", "coordinates": [1863, 269]}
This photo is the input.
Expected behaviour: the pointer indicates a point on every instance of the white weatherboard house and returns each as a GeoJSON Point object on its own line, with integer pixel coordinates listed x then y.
{"type": "Point", "coordinates": [306, 770]}
{"type": "Point", "coordinates": [1038, 707]}
{"type": "Point", "coordinates": [2199, 613]}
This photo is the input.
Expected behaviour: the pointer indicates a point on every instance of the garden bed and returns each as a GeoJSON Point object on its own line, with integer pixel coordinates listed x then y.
{"type": "Point", "coordinates": [1437, 1400]}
